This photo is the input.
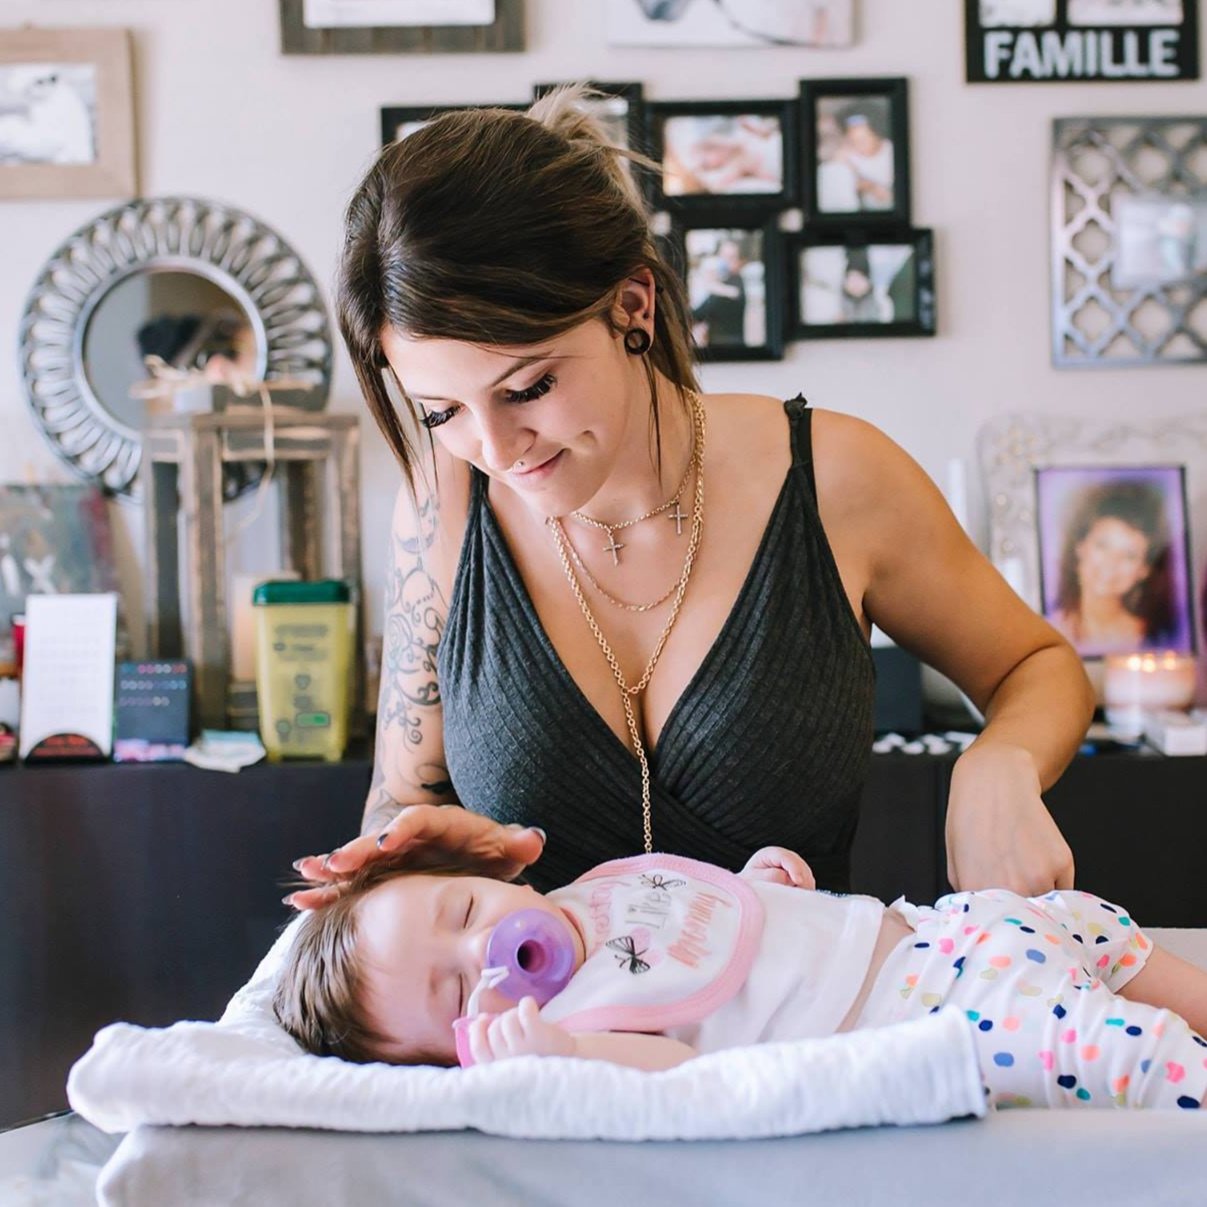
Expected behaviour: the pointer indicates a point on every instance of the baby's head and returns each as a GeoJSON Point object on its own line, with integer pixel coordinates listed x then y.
{"type": "Point", "coordinates": [383, 971]}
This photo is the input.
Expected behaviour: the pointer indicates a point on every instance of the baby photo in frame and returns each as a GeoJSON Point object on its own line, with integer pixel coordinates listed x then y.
{"type": "Point", "coordinates": [855, 151]}
{"type": "Point", "coordinates": [731, 271]}
{"type": "Point", "coordinates": [863, 285]}
{"type": "Point", "coordinates": [742, 151]}
{"type": "Point", "coordinates": [1114, 557]}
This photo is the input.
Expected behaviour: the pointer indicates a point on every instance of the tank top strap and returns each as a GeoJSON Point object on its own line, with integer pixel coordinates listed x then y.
{"type": "Point", "coordinates": [800, 423]}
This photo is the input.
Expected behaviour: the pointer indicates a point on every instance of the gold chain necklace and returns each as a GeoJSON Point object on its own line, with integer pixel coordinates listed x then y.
{"type": "Point", "coordinates": [629, 690]}
{"type": "Point", "coordinates": [577, 558]}
{"type": "Point", "coordinates": [613, 546]}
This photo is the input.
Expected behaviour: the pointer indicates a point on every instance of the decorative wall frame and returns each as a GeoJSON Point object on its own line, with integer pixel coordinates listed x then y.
{"type": "Point", "coordinates": [1112, 180]}
{"type": "Point", "coordinates": [397, 121]}
{"type": "Point", "coordinates": [1075, 41]}
{"type": "Point", "coordinates": [504, 34]}
{"type": "Point", "coordinates": [739, 153]}
{"type": "Point", "coordinates": [679, 24]}
{"type": "Point", "coordinates": [181, 240]}
{"type": "Point", "coordinates": [1010, 449]}
{"type": "Point", "coordinates": [855, 152]}
{"type": "Point", "coordinates": [66, 114]}
{"type": "Point", "coordinates": [731, 266]}
{"type": "Point", "coordinates": [861, 284]}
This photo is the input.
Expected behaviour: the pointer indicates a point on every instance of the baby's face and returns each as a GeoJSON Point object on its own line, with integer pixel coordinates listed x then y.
{"type": "Point", "coordinates": [422, 947]}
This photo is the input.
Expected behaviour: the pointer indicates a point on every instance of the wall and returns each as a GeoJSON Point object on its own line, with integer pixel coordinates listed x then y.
{"type": "Point", "coordinates": [222, 114]}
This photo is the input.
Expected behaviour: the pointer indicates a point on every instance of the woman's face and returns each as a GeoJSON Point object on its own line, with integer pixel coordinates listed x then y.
{"type": "Point", "coordinates": [1112, 558]}
{"type": "Point", "coordinates": [564, 407]}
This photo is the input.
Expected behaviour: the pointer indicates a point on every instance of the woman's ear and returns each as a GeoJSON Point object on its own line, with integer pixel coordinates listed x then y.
{"type": "Point", "coordinates": [634, 302]}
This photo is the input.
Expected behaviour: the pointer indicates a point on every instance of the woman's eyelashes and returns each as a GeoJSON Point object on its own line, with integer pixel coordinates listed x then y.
{"type": "Point", "coordinates": [541, 387]}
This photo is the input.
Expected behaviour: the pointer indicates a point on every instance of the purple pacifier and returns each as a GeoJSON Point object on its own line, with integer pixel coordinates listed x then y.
{"type": "Point", "coordinates": [537, 949]}
{"type": "Point", "coordinates": [530, 953]}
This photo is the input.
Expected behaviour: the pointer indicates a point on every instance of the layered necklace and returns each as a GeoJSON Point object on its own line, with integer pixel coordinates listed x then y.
{"type": "Point", "coordinates": [629, 691]}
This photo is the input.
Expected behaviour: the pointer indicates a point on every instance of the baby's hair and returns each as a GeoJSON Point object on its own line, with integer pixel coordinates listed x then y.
{"type": "Point", "coordinates": [318, 997]}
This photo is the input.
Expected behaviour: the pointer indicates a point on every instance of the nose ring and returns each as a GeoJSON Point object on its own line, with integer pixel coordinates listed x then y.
{"type": "Point", "coordinates": [519, 465]}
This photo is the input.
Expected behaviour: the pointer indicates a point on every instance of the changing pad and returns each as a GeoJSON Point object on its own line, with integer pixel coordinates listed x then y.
{"type": "Point", "coordinates": [245, 1070]}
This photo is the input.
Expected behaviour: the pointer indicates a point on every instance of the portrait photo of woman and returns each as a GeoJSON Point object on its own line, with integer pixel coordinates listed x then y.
{"type": "Point", "coordinates": [1113, 557]}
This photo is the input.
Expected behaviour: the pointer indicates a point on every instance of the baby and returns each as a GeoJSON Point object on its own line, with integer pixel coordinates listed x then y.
{"type": "Point", "coordinates": [1069, 1003]}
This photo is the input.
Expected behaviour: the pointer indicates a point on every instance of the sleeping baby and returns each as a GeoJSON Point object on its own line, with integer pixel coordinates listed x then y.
{"type": "Point", "coordinates": [665, 958]}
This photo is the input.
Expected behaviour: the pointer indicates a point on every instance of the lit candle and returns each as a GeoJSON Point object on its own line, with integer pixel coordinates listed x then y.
{"type": "Point", "coordinates": [1134, 684]}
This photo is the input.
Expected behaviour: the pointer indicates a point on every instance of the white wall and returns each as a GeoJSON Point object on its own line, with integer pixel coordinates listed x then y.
{"type": "Point", "coordinates": [222, 114]}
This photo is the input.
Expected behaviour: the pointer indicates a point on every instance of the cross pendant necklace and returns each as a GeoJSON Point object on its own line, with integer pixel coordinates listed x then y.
{"type": "Point", "coordinates": [678, 515]}
{"type": "Point", "coordinates": [613, 547]}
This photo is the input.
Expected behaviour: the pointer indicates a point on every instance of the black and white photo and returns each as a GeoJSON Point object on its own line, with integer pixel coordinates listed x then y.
{"type": "Point", "coordinates": [847, 286]}
{"type": "Point", "coordinates": [1159, 240]}
{"type": "Point", "coordinates": [672, 24]}
{"type": "Point", "coordinates": [855, 160]}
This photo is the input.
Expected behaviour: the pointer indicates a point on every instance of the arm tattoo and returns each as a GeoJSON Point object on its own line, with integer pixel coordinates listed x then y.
{"type": "Point", "coordinates": [415, 611]}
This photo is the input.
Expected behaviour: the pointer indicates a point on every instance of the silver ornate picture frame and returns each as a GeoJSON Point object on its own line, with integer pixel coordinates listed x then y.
{"type": "Point", "coordinates": [1129, 193]}
{"type": "Point", "coordinates": [1010, 449]}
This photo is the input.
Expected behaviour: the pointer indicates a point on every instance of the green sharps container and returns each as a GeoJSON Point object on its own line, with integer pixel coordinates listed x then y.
{"type": "Point", "coordinates": [303, 667]}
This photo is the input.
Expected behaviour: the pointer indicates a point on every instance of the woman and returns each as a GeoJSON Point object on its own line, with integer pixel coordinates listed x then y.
{"type": "Point", "coordinates": [1114, 590]}
{"type": "Point", "coordinates": [569, 647]}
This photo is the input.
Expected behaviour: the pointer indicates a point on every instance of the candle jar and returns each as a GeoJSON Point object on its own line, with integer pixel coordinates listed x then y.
{"type": "Point", "coordinates": [1133, 684]}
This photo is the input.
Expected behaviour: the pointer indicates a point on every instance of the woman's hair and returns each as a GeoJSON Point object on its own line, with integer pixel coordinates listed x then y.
{"type": "Point", "coordinates": [1141, 506]}
{"type": "Point", "coordinates": [319, 992]}
{"type": "Point", "coordinates": [500, 228]}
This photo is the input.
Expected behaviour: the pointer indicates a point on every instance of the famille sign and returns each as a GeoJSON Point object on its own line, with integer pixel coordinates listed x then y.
{"type": "Point", "coordinates": [1160, 44]}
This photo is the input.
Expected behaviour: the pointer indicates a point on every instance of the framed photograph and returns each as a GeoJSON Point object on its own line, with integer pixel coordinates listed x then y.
{"type": "Point", "coordinates": [66, 114]}
{"type": "Point", "coordinates": [1129, 241]}
{"type": "Point", "coordinates": [401, 26]}
{"type": "Point", "coordinates": [1114, 557]}
{"type": "Point", "coordinates": [620, 110]}
{"type": "Point", "coordinates": [731, 268]}
{"type": "Point", "coordinates": [397, 121]}
{"type": "Point", "coordinates": [862, 284]}
{"type": "Point", "coordinates": [1159, 240]}
{"type": "Point", "coordinates": [855, 152]}
{"type": "Point", "coordinates": [743, 151]}
{"type": "Point", "coordinates": [678, 24]}
{"type": "Point", "coordinates": [1072, 41]}
{"type": "Point", "coordinates": [54, 540]}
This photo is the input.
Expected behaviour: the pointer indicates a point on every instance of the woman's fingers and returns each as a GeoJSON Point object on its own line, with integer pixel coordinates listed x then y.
{"type": "Point", "coordinates": [435, 834]}
{"type": "Point", "coordinates": [313, 898]}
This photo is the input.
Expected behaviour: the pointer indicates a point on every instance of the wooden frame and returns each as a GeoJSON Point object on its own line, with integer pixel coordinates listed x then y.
{"type": "Point", "coordinates": [734, 225]}
{"type": "Point", "coordinates": [113, 172]}
{"type": "Point", "coordinates": [873, 310]}
{"type": "Point", "coordinates": [393, 116]}
{"type": "Point", "coordinates": [505, 35]}
{"type": "Point", "coordinates": [820, 203]}
{"type": "Point", "coordinates": [753, 201]}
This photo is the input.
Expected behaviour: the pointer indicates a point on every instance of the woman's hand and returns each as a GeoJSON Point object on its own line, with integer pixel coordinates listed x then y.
{"type": "Point", "coordinates": [779, 866]}
{"type": "Point", "coordinates": [517, 1032]}
{"type": "Point", "coordinates": [999, 831]}
{"type": "Point", "coordinates": [427, 836]}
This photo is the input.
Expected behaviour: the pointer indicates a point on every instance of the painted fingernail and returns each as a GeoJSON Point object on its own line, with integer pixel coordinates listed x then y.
{"type": "Point", "coordinates": [287, 900]}
{"type": "Point", "coordinates": [381, 839]}
{"type": "Point", "coordinates": [327, 862]}
{"type": "Point", "coordinates": [538, 830]}
{"type": "Point", "coordinates": [297, 864]}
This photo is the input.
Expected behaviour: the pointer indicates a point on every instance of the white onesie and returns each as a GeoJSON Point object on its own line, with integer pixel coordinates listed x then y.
{"type": "Point", "coordinates": [697, 953]}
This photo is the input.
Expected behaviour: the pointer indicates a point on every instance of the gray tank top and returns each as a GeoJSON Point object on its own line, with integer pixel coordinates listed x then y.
{"type": "Point", "coordinates": [769, 743]}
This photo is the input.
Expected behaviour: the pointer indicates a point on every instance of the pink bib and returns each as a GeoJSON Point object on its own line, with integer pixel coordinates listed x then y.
{"type": "Point", "coordinates": [668, 941]}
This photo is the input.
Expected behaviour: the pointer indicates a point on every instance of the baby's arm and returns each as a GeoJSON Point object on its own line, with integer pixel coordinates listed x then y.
{"type": "Point", "coordinates": [780, 866]}
{"type": "Point", "coordinates": [522, 1032]}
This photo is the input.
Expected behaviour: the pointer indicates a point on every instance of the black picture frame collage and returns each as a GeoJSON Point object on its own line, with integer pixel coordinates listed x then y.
{"type": "Point", "coordinates": [730, 171]}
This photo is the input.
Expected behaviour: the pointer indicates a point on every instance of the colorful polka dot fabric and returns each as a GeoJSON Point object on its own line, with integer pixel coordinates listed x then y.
{"type": "Point", "coordinates": [1037, 979]}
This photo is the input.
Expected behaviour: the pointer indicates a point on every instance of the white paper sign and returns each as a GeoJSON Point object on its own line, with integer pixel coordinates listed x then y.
{"type": "Point", "coordinates": [67, 681]}
{"type": "Point", "coordinates": [331, 14]}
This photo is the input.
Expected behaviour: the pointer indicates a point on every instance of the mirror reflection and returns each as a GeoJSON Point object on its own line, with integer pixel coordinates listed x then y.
{"type": "Point", "coordinates": [183, 317]}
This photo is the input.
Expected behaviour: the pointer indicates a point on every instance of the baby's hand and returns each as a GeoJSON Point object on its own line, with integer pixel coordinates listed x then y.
{"type": "Point", "coordinates": [780, 866]}
{"type": "Point", "coordinates": [517, 1032]}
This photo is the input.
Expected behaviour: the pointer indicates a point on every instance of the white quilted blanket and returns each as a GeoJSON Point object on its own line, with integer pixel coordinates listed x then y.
{"type": "Point", "coordinates": [245, 1070]}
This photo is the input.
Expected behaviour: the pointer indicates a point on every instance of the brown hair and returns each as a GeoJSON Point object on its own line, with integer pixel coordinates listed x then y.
{"type": "Point", "coordinates": [500, 228]}
{"type": "Point", "coordinates": [318, 997]}
{"type": "Point", "coordinates": [1139, 505]}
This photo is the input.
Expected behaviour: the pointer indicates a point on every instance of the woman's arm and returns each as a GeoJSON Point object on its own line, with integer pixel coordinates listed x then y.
{"type": "Point", "coordinates": [410, 778]}
{"type": "Point", "coordinates": [927, 586]}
